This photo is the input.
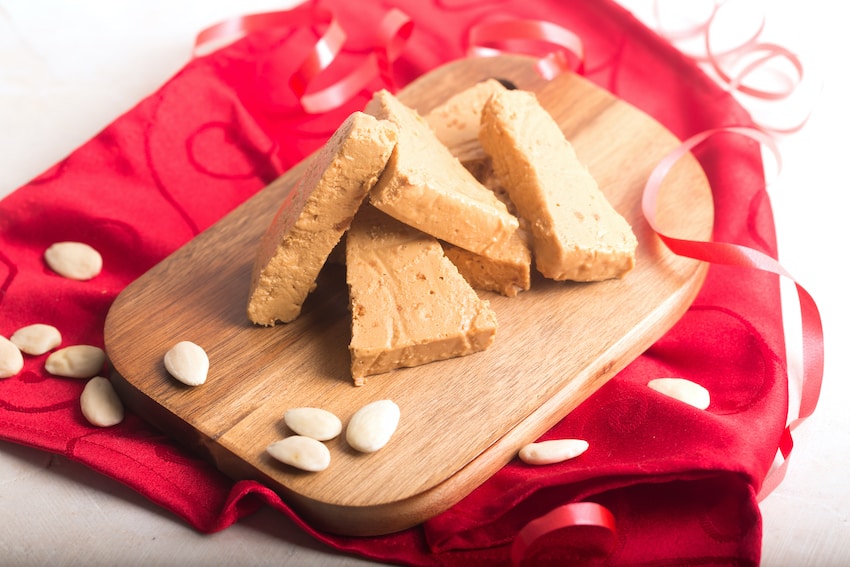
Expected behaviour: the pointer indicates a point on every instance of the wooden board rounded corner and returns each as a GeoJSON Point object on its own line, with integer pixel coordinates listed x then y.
{"type": "Point", "coordinates": [510, 394]}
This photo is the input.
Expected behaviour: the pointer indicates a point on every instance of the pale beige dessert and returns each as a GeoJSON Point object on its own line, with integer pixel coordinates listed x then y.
{"type": "Point", "coordinates": [409, 304]}
{"type": "Point", "coordinates": [577, 234]}
{"type": "Point", "coordinates": [315, 215]}
{"type": "Point", "coordinates": [457, 120]}
{"type": "Point", "coordinates": [427, 188]}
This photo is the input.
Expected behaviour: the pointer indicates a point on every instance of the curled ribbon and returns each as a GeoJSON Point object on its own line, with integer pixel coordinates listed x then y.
{"type": "Point", "coordinates": [737, 255]}
{"type": "Point", "coordinates": [750, 54]}
{"type": "Point", "coordinates": [394, 31]}
{"type": "Point", "coordinates": [812, 330]}
{"type": "Point", "coordinates": [538, 36]}
{"type": "Point", "coordinates": [702, 27]}
{"type": "Point", "coordinates": [230, 30]}
{"type": "Point", "coordinates": [562, 517]}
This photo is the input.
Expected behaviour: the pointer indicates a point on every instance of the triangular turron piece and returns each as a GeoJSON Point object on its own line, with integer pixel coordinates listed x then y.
{"type": "Point", "coordinates": [315, 215]}
{"type": "Point", "coordinates": [409, 304]}
{"type": "Point", "coordinates": [576, 233]}
{"type": "Point", "coordinates": [426, 187]}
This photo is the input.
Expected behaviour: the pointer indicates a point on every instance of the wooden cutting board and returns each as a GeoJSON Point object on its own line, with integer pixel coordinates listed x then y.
{"type": "Point", "coordinates": [461, 419]}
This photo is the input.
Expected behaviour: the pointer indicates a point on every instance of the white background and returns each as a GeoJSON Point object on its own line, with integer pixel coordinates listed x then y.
{"type": "Point", "coordinates": [67, 69]}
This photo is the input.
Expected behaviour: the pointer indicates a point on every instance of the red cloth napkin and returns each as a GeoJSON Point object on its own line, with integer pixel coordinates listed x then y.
{"type": "Point", "coordinates": [680, 482]}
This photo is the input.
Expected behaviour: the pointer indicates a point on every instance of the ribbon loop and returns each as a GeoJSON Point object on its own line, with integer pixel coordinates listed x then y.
{"type": "Point", "coordinates": [768, 51]}
{"type": "Point", "coordinates": [576, 514]}
{"type": "Point", "coordinates": [394, 31]}
{"type": "Point", "coordinates": [536, 36]}
{"type": "Point", "coordinates": [396, 28]}
{"type": "Point", "coordinates": [227, 31]}
{"type": "Point", "coordinates": [746, 52]}
{"type": "Point", "coordinates": [324, 53]}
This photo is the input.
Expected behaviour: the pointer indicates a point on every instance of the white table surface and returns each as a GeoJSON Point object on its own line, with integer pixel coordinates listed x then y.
{"type": "Point", "coordinates": [67, 69]}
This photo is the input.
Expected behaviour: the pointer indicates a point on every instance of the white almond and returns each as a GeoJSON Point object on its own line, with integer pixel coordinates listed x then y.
{"type": "Point", "coordinates": [371, 427]}
{"type": "Point", "coordinates": [100, 403]}
{"type": "Point", "coordinates": [301, 452]}
{"type": "Point", "coordinates": [552, 451]}
{"type": "Point", "coordinates": [77, 361]}
{"type": "Point", "coordinates": [188, 363]}
{"type": "Point", "coordinates": [37, 339]}
{"type": "Point", "coordinates": [317, 423]}
{"type": "Point", "coordinates": [74, 260]}
{"type": "Point", "coordinates": [11, 359]}
{"type": "Point", "coordinates": [683, 390]}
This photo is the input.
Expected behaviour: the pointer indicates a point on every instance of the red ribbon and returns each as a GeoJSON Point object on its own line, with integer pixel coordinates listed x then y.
{"type": "Point", "coordinates": [230, 30]}
{"type": "Point", "coordinates": [395, 29]}
{"type": "Point", "coordinates": [561, 518]}
{"type": "Point", "coordinates": [537, 36]}
{"type": "Point", "coordinates": [393, 33]}
{"type": "Point", "coordinates": [737, 255]}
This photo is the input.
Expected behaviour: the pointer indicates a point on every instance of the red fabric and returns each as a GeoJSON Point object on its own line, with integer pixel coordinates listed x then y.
{"type": "Point", "coordinates": [680, 482]}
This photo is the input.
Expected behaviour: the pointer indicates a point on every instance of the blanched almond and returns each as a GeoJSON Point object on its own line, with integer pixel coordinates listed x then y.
{"type": "Point", "coordinates": [77, 361]}
{"type": "Point", "coordinates": [317, 423]}
{"type": "Point", "coordinates": [301, 452]}
{"type": "Point", "coordinates": [100, 404]}
{"type": "Point", "coordinates": [37, 339]}
{"type": "Point", "coordinates": [552, 451]}
{"type": "Point", "coordinates": [11, 359]}
{"type": "Point", "coordinates": [683, 390]}
{"type": "Point", "coordinates": [74, 260]}
{"type": "Point", "coordinates": [188, 363]}
{"type": "Point", "coordinates": [371, 427]}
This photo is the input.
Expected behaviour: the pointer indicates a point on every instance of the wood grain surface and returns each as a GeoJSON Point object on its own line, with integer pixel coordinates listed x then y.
{"type": "Point", "coordinates": [461, 419]}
